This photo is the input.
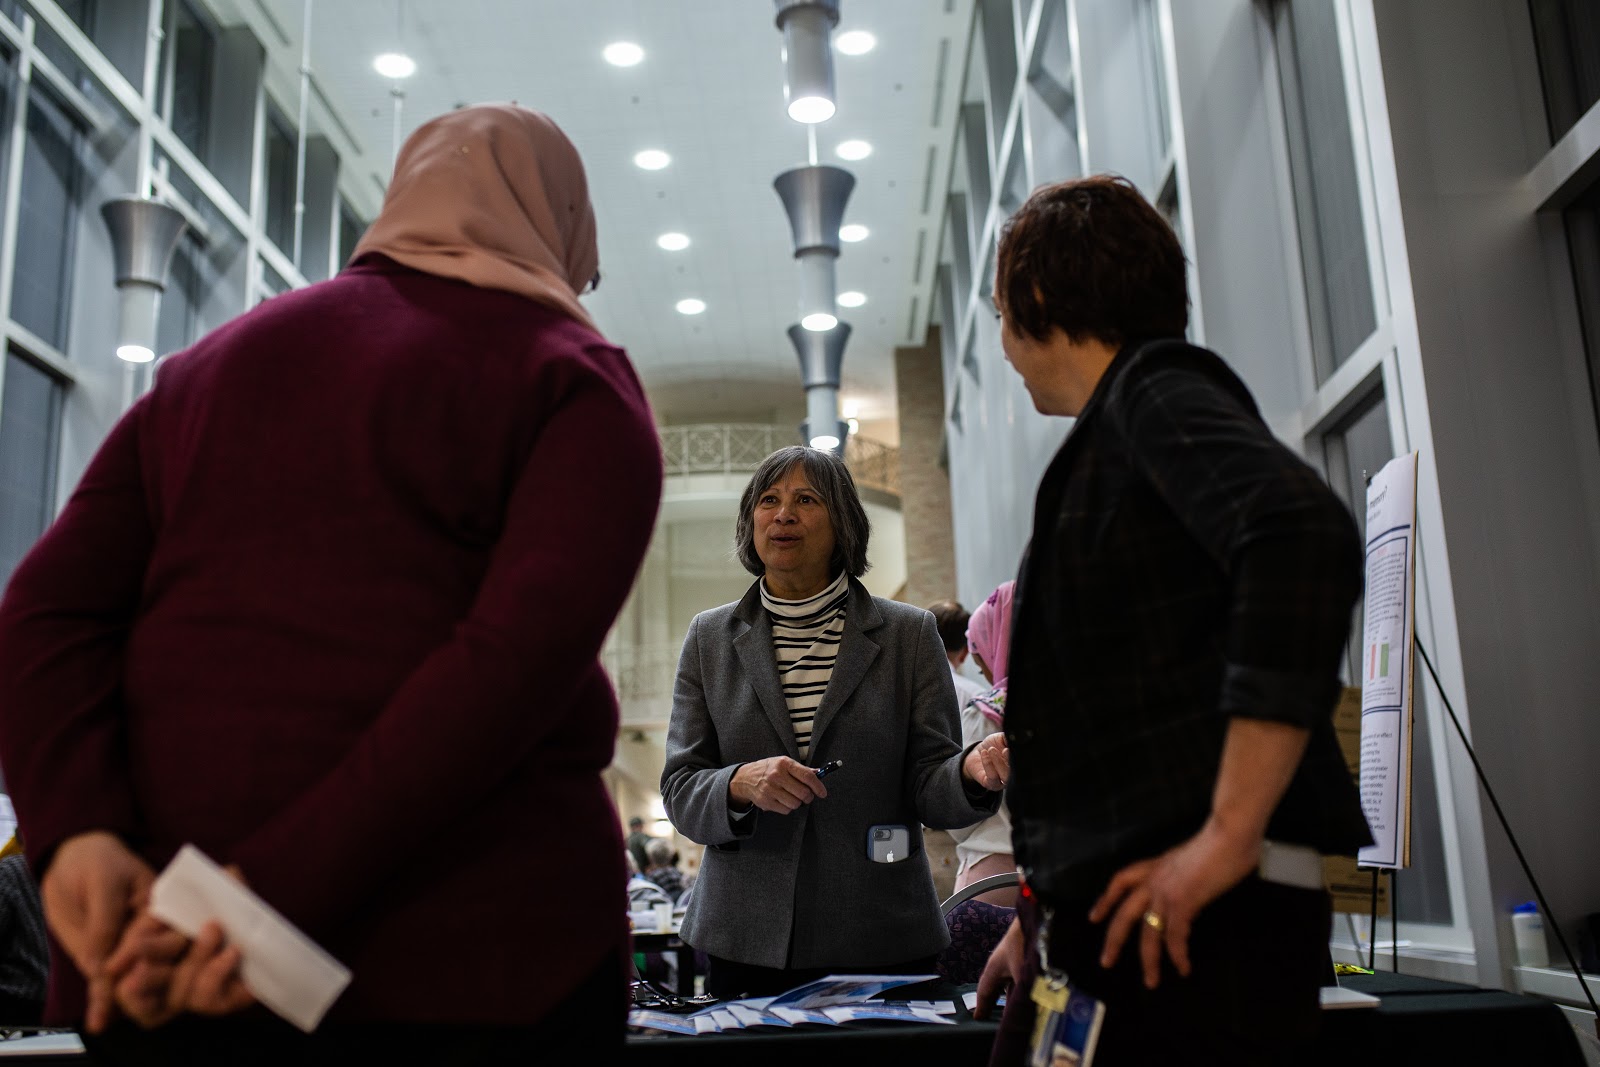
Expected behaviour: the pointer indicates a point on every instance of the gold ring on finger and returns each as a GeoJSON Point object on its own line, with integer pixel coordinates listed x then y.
{"type": "Point", "coordinates": [1154, 921]}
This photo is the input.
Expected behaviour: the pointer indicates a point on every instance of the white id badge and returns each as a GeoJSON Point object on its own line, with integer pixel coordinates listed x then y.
{"type": "Point", "coordinates": [1066, 1027]}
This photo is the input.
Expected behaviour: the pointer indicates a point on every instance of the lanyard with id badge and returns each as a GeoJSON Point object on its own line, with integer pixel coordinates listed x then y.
{"type": "Point", "coordinates": [1067, 1023]}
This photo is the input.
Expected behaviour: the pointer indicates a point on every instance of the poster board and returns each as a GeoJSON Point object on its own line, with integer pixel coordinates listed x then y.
{"type": "Point", "coordinates": [1348, 883]}
{"type": "Point", "coordinates": [1388, 636]}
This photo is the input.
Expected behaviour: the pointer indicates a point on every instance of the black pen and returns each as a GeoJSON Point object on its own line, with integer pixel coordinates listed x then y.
{"type": "Point", "coordinates": [829, 767]}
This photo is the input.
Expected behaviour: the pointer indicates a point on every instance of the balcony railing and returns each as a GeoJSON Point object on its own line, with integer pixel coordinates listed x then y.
{"type": "Point", "coordinates": [739, 448]}
{"type": "Point", "coordinates": [641, 672]}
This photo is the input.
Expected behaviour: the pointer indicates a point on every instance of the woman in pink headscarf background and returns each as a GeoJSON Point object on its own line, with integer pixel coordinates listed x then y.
{"type": "Point", "coordinates": [984, 849]}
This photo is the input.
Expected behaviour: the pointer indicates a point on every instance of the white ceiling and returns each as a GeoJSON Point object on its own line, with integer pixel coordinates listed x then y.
{"type": "Point", "coordinates": [710, 92]}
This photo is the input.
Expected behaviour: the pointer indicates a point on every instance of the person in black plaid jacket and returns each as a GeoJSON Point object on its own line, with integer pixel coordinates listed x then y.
{"type": "Point", "coordinates": [1180, 617]}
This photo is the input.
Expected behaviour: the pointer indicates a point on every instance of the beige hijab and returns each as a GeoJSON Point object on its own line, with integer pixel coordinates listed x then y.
{"type": "Point", "coordinates": [493, 195]}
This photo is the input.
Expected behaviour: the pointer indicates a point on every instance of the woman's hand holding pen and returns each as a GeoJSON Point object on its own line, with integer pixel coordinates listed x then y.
{"type": "Point", "coordinates": [778, 784]}
{"type": "Point", "coordinates": [989, 762]}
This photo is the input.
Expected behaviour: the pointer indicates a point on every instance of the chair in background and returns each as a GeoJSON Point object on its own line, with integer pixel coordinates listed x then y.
{"type": "Point", "coordinates": [975, 929]}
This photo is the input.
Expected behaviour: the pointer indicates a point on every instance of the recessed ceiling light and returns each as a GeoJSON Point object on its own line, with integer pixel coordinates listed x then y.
{"type": "Point", "coordinates": [853, 150]}
{"type": "Point", "coordinates": [673, 242]}
{"type": "Point", "coordinates": [853, 232]}
{"type": "Point", "coordinates": [691, 306]}
{"type": "Point", "coordinates": [855, 42]}
{"type": "Point", "coordinates": [811, 109]}
{"type": "Point", "coordinates": [852, 299]}
{"type": "Point", "coordinates": [394, 65]}
{"type": "Point", "coordinates": [623, 53]}
{"type": "Point", "coordinates": [825, 441]}
{"type": "Point", "coordinates": [651, 159]}
{"type": "Point", "coordinates": [819, 322]}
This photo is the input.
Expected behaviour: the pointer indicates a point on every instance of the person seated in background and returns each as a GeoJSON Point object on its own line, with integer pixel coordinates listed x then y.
{"type": "Point", "coordinates": [951, 619]}
{"type": "Point", "coordinates": [637, 840]}
{"type": "Point", "coordinates": [24, 957]}
{"type": "Point", "coordinates": [643, 894]}
{"type": "Point", "coordinates": [984, 849]}
{"type": "Point", "coordinates": [663, 868]}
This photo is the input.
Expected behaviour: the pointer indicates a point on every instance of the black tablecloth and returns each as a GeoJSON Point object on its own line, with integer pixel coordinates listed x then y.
{"type": "Point", "coordinates": [1420, 1021]}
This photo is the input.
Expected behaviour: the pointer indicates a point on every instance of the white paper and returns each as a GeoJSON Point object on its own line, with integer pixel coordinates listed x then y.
{"type": "Point", "coordinates": [797, 1016]}
{"type": "Point", "coordinates": [281, 966]}
{"type": "Point", "coordinates": [1388, 626]}
{"type": "Point", "coordinates": [970, 999]}
{"type": "Point", "coordinates": [845, 989]}
{"type": "Point", "coordinates": [662, 1021]}
{"type": "Point", "coordinates": [1337, 997]}
{"type": "Point", "coordinates": [940, 1007]}
{"type": "Point", "coordinates": [880, 1012]}
{"type": "Point", "coordinates": [43, 1045]}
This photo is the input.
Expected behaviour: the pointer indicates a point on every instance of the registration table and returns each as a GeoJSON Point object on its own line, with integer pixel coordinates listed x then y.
{"type": "Point", "coordinates": [1417, 1021]}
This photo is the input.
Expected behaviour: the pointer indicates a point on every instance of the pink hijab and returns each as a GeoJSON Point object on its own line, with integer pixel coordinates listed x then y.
{"type": "Point", "coordinates": [989, 635]}
{"type": "Point", "coordinates": [493, 195]}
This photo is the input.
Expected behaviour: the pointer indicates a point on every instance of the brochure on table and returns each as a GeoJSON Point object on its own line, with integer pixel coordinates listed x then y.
{"type": "Point", "coordinates": [828, 1001]}
{"type": "Point", "coordinates": [1388, 633]}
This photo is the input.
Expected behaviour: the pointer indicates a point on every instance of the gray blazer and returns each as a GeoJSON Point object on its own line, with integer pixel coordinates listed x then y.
{"type": "Point", "coordinates": [799, 890]}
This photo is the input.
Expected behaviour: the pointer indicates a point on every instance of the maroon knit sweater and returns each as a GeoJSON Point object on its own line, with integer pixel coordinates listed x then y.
{"type": "Point", "coordinates": [328, 603]}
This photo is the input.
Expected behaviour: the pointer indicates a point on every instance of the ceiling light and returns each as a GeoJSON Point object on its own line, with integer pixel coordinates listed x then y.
{"type": "Point", "coordinates": [623, 54]}
{"type": "Point", "coordinates": [854, 424]}
{"type": "Point", "coordinates": [673, 242]}
{"type": "Point", "coordinates": [819, 322]}
{"type": "Point", "coordinates": [811, 109]}
{"type": "Point", "coordinates": [850, 409]}
{"type": "Point", "coordinates": [651, 159]}
{"type": "Point", "coordinates": [855, 42]}
{"type": "Point", "coordinates": [808, 57]}
{"type": "Point", "coordinates": [852, 299]}
{"type": "Point", "coordinates": [826, 442]}
{"type": "Point", "coordinates": [135, 353]}
{"type": "Point", "coordinates": [691, 306]}
{"type": "Point", "coordinates": [394, 65]}
{"type": "Point", "coordinates": [853, 150]}
{"type": "Point", "coordinates": [853, 232]}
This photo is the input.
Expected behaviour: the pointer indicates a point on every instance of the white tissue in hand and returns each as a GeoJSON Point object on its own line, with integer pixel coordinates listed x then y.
{"type": "Point", "coordinates": [282, 967]}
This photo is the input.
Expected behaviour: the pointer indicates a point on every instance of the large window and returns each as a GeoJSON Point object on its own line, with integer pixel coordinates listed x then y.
{"type": "Point", "coordinates": [350, 230]}
{"type": "Point", "coordinates": [1567, 33]}
{"type": "Point", "coordinates": [52, 193]}
{"type": "Point", "coordinates": [280, 183]}
{"type": "Point", "coordinates": [1322, 161]}
{"type": "Point", "coordinates": [30, 413]}
{"type": "Point", "coordinates": [187, 75]}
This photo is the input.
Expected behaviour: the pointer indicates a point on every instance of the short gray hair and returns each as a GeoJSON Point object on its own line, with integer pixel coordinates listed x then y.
{"type": "Point", "coordinates": [658, 852]}
{"type": "Point", "coordinates": [831, 481]}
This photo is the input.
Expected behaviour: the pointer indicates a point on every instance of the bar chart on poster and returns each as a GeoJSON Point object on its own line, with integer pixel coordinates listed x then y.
{"type": "Point", "coordinates": [1389, 623]}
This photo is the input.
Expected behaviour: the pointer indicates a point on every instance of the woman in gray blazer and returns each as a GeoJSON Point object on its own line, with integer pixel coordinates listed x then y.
{"type": "Point", "coordinates": [810, 671]}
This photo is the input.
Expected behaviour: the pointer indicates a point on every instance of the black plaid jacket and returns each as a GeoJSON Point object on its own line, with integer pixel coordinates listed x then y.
{"type": "Point", "coordinates": [1185, 568]}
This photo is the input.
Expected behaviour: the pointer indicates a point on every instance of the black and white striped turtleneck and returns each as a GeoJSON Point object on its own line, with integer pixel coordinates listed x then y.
{"type": "Point", "coordinates": [805, 640]}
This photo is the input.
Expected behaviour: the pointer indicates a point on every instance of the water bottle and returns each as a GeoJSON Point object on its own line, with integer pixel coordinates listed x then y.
{"type": "Point", "coordinates": [1528, 926]}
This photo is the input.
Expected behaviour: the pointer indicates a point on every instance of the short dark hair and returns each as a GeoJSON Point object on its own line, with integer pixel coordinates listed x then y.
{"type": "Point", "coordinates": [951, 618]}
{"type": "Point", "coordinates": [831, 481]}
{"type": "Point", "coordinates": [1094, 259]}
{"type": "Point", "coordinates": [636, 823]}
